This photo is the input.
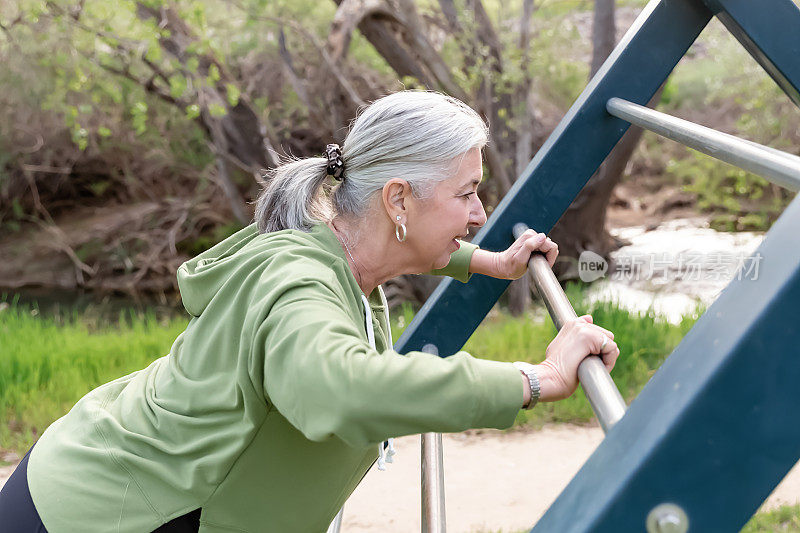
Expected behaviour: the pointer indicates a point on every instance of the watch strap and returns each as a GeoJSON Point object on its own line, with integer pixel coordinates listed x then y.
{"type": "Point", "coordinates": [533, 381]}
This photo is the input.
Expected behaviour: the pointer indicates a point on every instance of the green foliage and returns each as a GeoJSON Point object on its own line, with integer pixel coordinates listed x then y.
{"type": "Point", "coordinates": [139, 117]}
{"type": "Point", "coordinates": [192, 111]}
{"type": "Point", "coordinates": [741, 201]}
{"type": "Point", "coordinates": [14, 221]}
{"type": "Point", "coordinates": [785, 519]}
{"type": "Point", "coordinates": [217, 110]}
{"type": "Point", "coordinates": [233, 94]}
{"type": "Point", "coordinates": [669, 93]}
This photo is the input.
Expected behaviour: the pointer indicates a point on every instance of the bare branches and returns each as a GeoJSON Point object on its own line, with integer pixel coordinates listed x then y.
{"type": "Point", "coordinates": [417, 41]}
{"type": "Point", "coordinates": [528, 7]}
{"type": "Point", "coordinates": [149, 84]}
{"type": "Point", "coordinates": [486, 34]}
{"type": "Point", "coordinates": [347, 18]}
{"type": "Point", "coordinates": [7, 27]}
{"type": "Point", "coordinates": [424, 61]}
{"type": "Point", "coordinates": [294, 78]}
{"type": "Point", "coordinates": [333, 67]}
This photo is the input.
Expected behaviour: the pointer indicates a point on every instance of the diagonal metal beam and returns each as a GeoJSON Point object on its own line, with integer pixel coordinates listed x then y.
{"type": "Point", "coordinates": [634, 71]}
{"type": "Point", "coordinates": [715, 429]}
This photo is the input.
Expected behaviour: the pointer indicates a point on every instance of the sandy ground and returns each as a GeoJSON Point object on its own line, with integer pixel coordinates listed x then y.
{"type": "Point", "coordinates": [488, 481]}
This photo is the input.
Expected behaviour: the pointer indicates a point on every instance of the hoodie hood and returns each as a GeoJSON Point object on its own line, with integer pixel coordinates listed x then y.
{"type": "Point", "coordinates": [202, 277]}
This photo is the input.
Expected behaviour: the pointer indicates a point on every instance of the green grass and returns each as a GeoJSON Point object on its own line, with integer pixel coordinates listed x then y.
{"type": "Point", "coordinates": [784, 519]}
{"type": "Point", "coordinates": [48, 362]}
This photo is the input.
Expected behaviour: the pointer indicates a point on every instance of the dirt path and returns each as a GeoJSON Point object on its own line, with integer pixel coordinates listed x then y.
{"type": "Point", "coordinates": [487, 481]}
{"type": "Point", "coordinates": [5, 472]}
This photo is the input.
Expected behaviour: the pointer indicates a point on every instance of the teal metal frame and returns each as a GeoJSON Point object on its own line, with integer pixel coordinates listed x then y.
{"type": "Point", "coordinates": [717, 427]}
{"type": "Point", "coordinates": [563, 165]}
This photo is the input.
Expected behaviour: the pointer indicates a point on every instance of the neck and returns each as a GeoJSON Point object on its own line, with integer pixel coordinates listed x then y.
{"type": "Point", "coordinates": [369, 259]}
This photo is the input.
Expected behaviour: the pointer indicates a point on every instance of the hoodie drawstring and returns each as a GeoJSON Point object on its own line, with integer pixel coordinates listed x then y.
{"type": "Point", "coordinates": [386, 448]}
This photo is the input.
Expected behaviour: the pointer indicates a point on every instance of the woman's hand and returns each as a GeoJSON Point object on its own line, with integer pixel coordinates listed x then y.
{"type": "Point", "coordinates": [513, 263]}
{"type": "Point", "coordinates": [558, 373]}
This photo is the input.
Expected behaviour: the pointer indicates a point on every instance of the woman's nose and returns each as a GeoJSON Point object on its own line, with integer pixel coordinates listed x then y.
{"type": "Point", "coordinates": [477, 215]}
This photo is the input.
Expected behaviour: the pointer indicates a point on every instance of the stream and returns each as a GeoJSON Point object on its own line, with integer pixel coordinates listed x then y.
{"type": "Point", "coordinates": [673, 270]}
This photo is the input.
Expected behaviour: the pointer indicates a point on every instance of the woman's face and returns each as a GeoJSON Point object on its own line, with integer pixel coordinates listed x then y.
{"type": "Point", "coordinates": [436, 222]}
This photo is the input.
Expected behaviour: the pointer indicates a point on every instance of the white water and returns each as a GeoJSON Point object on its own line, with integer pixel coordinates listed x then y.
{"type": "Point", "coordinates": [676, 267]}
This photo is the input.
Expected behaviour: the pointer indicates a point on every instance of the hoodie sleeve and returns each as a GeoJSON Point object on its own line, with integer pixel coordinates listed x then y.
{"type": "Point", "coordinates": [458, 267]}
{"type": "Point", "coordinates": [326, 380]}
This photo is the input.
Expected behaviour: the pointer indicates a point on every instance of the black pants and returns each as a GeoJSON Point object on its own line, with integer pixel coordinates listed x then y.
{"type": "Point", "coordinates": [18, 514]}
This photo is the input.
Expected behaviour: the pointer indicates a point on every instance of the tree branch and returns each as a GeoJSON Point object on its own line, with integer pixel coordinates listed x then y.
{"type": "Point", "coordinates": [299, 85]}
{"type": "Point", "coordinates": [379, 33]}
{"type": "Point", "coordinates": [349, 15]}
{"type": "Point", "coordinates": [331, 65]}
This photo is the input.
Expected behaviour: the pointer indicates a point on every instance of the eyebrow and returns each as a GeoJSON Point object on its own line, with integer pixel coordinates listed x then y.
{"type": "Point", "coordinates": [475, 182]}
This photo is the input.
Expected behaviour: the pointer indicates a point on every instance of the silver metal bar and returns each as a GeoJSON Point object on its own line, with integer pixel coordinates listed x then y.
{"type": "Point", "coordinates": [336, 525]}
{"type": "Point", "coordinates": [602, 393]}
{"type": "Point", "coordinates": [776, 166]}
{"type": "Point", "coordinates": [433, 512]}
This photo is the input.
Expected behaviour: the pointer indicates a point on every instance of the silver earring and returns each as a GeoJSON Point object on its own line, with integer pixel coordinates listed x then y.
{"type": "Point", "coordinates": [397, 231]}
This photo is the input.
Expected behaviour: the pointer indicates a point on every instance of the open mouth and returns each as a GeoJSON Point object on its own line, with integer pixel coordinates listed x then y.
{"type": "Point", "coordinates": [458, 238]}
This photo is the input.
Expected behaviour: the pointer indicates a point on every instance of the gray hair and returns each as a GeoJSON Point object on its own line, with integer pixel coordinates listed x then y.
{"type": "Point", "coordinates": [414, 135]}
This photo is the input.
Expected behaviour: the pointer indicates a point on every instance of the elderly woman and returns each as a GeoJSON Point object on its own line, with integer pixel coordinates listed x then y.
{"type": "Point", "coordinates": [273, 404]}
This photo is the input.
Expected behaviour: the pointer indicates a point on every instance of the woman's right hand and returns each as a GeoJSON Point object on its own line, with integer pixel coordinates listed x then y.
{"type": "Point", "coordinates": [558, 373]}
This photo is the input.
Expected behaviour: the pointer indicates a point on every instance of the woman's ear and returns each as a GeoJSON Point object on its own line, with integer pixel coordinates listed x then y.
{"type": "Point", "coordinates": [396, 193]}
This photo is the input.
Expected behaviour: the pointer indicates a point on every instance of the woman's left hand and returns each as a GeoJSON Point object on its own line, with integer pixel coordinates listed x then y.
{"type": "Point", "coordinates": [513, 263]}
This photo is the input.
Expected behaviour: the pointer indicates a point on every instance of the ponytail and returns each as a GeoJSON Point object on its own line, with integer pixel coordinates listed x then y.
{"type": "Point", "coordinates": [292, 198]}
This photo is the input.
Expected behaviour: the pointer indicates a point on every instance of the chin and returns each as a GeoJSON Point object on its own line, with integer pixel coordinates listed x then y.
{"type": "Point", "coordinates": [441, 262]}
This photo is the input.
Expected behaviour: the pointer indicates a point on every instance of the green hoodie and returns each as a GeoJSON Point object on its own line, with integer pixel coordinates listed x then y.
{"type": "Point", "coordinates": [267, 410]}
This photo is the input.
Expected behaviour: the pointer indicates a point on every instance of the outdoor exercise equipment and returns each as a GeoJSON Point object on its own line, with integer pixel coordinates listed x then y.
{"type": "Point", "coordinates": [716, 428]}
{"type": "Point", "coordinates": [603, 395]}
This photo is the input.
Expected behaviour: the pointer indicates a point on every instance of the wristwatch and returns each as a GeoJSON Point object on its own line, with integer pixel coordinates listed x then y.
{"type": "Point", "coordinates": [533, 380]}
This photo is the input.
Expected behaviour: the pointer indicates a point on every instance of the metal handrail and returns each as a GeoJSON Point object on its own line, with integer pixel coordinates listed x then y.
{"type": "Point", "coordinates": [602, 393]}
{"type": "Point", "coordinates": [776, 166]}
{"type": "Point", "coordinates": [432, 459]}
{"type": "Point", "coordinates": [603, 396]}
{"type": "Point", "coordinates": [433, 510]}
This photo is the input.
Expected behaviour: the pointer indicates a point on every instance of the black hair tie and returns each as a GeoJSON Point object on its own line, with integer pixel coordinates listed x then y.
{"type": "Point", "coordinates": [335, 162]}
